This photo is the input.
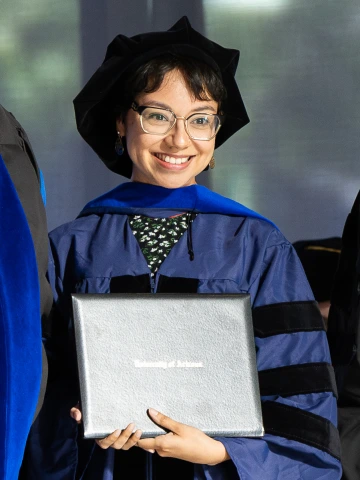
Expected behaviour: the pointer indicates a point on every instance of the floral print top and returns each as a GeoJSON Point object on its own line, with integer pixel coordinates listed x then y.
{"type": "Point", "coordinates": [157, 236]}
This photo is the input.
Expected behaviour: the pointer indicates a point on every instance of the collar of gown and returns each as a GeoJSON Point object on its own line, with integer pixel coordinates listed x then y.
{"type": "Point", "coordinates": [138, 198]}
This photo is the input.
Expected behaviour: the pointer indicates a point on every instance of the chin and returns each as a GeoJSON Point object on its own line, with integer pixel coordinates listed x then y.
{"type": "Point", "coordinates": [165, 179]}
{"type": "Point", "coordinates": [175, 183]}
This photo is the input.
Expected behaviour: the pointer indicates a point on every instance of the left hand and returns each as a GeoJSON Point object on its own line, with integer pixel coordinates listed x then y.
{"type": "Point", "coordinates": [183, 442]}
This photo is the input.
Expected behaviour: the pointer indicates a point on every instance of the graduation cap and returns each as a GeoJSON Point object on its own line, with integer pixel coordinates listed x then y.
{"type": "Point", "coordinates": [94, 105]}
{"type": "Point", "coordinates": [320, 260]}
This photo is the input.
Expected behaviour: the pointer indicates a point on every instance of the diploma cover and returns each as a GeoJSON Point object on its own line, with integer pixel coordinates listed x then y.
{"type": "Point", "coordinates": [189, 356]}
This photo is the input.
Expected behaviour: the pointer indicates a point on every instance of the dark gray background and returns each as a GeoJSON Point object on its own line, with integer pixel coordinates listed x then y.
{"type": "Point", "coordinates": [297, 162]}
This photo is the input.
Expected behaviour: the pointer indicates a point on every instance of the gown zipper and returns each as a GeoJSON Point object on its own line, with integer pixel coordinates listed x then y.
{"type": "Point", "coordinates": [149, 456]}
{"type": "Point", "coordinates": [152, 283]}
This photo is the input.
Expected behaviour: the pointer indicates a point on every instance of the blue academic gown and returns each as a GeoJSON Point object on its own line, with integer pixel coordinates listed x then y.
{"type": "Point", "coordinates": [229, 250]}
{"type": "Point", "coordinates": [20, 329]}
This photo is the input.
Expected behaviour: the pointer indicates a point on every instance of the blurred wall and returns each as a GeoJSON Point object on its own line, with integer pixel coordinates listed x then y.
{"type": "Point", "coordinates": [296, 162]}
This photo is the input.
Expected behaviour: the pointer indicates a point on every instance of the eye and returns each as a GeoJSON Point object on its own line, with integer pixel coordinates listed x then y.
{"type": "Point", "coordinates": [201, 121]}
{"type": "Point", "coordinates": [158, 117]}
{"type": "Point", "coordinates": [155, 116]}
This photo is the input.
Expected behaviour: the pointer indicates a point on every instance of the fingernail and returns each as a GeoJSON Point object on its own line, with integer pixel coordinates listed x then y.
{"type": "Point", "coordinates": [138, 433]}
{"type": "Point", "coordinates": [153, 412]}
{"type": "Point", "coordinates": [131, 426]}
{"type": "Point", "coordinates": [150, 451]}
{"type": "Point", "coordinates": [117, 432]}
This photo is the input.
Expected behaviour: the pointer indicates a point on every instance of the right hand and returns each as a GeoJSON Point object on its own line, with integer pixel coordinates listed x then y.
{"type": "Point", "coordinates": [119, 439]}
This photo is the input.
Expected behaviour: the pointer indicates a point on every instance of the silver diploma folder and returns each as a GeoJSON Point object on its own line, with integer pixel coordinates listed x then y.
{"type": "Point", "coordinates": [191, 357]}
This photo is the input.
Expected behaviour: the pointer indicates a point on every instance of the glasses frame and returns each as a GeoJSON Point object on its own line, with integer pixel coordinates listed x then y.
{"type": "Point", "coordinates": [140, 108]}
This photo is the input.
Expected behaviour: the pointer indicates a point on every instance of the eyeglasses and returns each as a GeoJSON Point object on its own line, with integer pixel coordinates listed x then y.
{"type": "Point", "coordinates": [159, 121]}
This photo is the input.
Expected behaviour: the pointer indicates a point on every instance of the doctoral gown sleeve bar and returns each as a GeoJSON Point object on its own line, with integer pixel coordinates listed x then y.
{"type": "Point", "coordinates": [301, 440]}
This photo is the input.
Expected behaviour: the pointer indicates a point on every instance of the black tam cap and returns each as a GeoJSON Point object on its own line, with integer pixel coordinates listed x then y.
{"type": "Point", "coordinates": [94, 106]}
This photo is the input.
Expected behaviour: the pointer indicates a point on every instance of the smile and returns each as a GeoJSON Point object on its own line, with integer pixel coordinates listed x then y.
{"type": "Point", "coordinates": [172, 160]}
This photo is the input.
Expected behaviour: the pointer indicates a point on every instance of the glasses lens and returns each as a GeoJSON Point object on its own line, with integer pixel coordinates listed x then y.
{"type": "Point", "coordinates": [157, 120]}
{"type": "Point", "coordinates": [203, 126]}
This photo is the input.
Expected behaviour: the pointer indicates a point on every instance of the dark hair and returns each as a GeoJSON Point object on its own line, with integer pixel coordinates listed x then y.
{"type": "Point", "coordinates": [201, 80]}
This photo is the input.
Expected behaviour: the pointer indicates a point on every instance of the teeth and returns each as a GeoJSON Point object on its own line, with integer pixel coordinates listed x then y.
{"type": "Point", "coordinates": [172, 160]}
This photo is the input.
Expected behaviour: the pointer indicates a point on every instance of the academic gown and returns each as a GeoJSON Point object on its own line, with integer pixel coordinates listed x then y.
{"type": "Point", "coordinates": [227, 249]}
{"type": "Point", "coordinates": [25, 294]}
{"type": "Point", "coordinates": [20, 329]}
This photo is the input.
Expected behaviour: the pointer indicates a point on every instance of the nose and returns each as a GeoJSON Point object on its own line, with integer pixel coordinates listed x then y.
{"type": "Point", "coordinates": [178, 137]}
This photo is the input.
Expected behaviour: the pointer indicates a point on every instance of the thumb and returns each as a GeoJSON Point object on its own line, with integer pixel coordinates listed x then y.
{"type": "Point", "coordinates": [75, 413]}
{"type": "Point", "coordinates": [163, 421]}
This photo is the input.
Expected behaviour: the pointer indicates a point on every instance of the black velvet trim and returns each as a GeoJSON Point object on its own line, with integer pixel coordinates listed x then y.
{"type": "Point", "coordinates": [298, 379]}
{"type": "Point", "coordinates": [129, 464]}
{"type": "Point", "coordinates": [162, 466]}
{"type": "Point", "coordinates": [296, 424]}
{"type": "Point", "coordinates": [342, 347]}
{"type": "Point", "coordinates": [130, 284]}
{"type": "Point", "coordinates": [177, 285]}
{"type": "Point", "coordinates": [290, 317]}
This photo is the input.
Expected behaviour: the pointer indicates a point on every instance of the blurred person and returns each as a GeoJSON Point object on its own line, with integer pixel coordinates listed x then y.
{"type": "Point", "coordinates": [344, 340]}
{"type": "Point", "coordinates": [25, 294]}
{"type": "Point", "coordinates": [320, 259]}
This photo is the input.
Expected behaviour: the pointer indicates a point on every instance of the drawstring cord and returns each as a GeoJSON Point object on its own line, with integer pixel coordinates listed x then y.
{"type": "Point", "coordinates": [191, 217]}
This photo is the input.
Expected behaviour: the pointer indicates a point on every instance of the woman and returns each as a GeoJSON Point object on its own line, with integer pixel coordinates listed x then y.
{"type": "Point", "coordinates": [162, 99]}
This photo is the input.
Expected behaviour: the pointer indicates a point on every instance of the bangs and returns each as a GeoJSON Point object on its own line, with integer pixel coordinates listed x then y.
{"type": "Point", "coordinates": [200, 79]}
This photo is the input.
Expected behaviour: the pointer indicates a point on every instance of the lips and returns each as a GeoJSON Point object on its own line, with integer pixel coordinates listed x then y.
{"type": "Point", "coordinates": [173, 160]}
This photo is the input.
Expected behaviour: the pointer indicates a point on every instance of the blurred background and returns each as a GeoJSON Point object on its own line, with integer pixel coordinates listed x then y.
{"type": "Point", "coordinates": [297, 162]}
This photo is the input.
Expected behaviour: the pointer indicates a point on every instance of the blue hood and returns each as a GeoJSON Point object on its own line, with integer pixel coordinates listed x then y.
{"type": "Point", "coordinates": [132, 198]}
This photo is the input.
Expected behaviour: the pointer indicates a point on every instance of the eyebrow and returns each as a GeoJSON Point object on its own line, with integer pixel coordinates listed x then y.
{"type": "Point", "coordinates": [167, 107]}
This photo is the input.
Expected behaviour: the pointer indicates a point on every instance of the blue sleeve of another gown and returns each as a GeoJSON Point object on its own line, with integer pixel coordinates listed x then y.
{"type": "Point", "coordinates": [20, 329]}
{"type": "Point", "coordinates": [274, 457]}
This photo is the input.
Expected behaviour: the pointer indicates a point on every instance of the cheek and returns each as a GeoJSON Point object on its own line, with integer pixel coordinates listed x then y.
{"type": "Point", "coordinates": [131, 129]}
{"type": "Point", "coordinates": [139, 143]}
{"type": "Point", "coordinates": [207, 148]}
{"type": "Point", "coordinates": [133, 136]}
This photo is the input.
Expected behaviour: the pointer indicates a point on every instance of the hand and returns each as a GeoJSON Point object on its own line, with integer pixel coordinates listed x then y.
{"type": "Point", "coordinates": [76, 414]}
{"type": "Point", "coordinates": [183, 442]}
{"type": "Point", "coordinates": [119, 439]}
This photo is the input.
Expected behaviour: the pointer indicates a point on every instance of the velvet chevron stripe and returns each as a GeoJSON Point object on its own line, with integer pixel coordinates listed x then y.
{"type": "Point", "coordinates": [301, 426]}
{"type": "Point", "coordinates": [290, 317]}
{"type": "Point", "coordinates": [298, 379]}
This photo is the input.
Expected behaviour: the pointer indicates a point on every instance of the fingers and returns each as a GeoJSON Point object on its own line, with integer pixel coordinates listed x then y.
{"type": "Point", "coordinates": [164, 421]}
{"type": "Point", "coordinates": [147, 444]}
{"type": "Point", "coordinates": [76, 414]}
{"type": "Point", "coordinates": [106, 442]}
{"type": "Point", "coordinates": [163, 444]}
{"type": "Point", "coordinates": [121, 439]}
{"type": "Point", "coordinates": [132, 441]}
{"type": "Point", "coordinates": [127, 438]}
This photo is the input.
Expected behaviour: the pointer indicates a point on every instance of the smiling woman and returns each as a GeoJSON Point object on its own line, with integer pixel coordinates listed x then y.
{"type": "Point", "coordinates": [155, 111]}
{"type": "Point", "coordinates": [158, 141]}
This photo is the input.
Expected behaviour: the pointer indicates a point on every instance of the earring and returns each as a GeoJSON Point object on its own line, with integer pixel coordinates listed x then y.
{"type": "Point", "coordinates": [212, 162]}
{"type": "Point", "coordinates": [119, 147]}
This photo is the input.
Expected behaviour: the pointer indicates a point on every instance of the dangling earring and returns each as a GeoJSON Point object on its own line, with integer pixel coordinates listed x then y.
{"type": "Point", "coordinates": [212, 162]}
{"type": "Point", "coordinates": [119, 147]}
